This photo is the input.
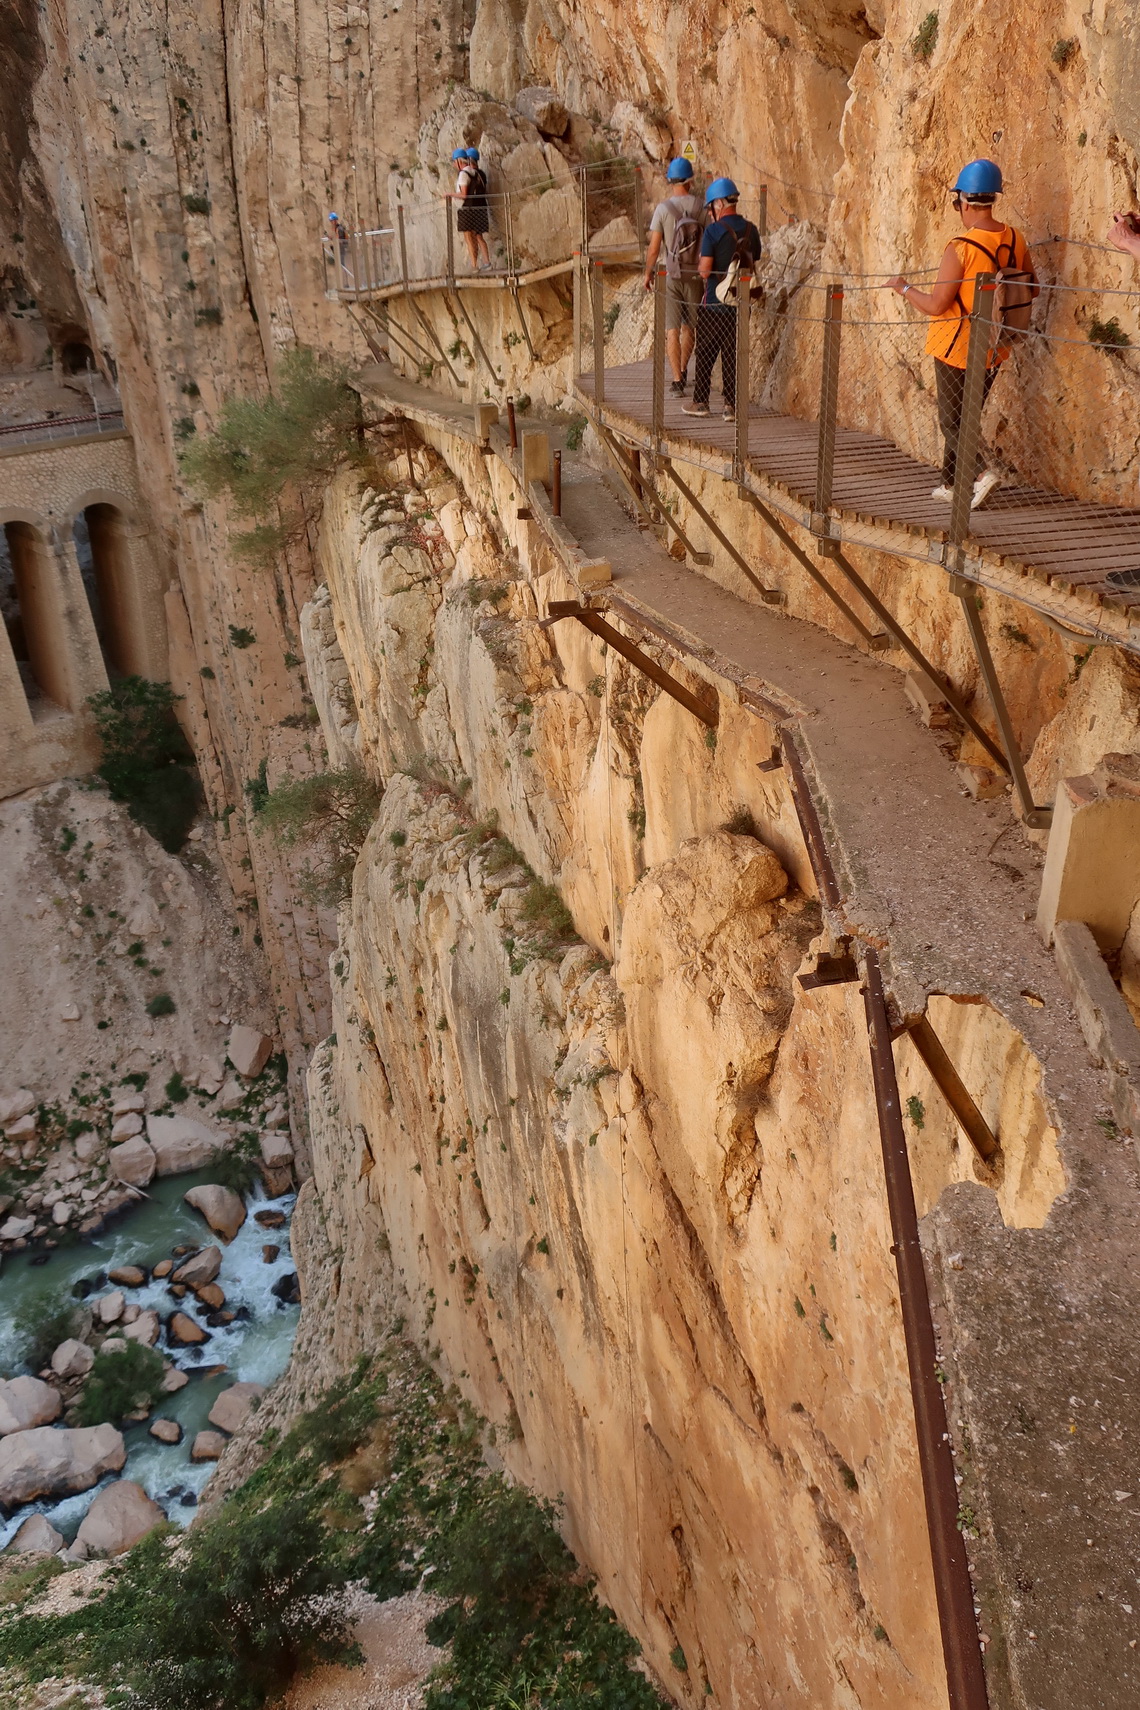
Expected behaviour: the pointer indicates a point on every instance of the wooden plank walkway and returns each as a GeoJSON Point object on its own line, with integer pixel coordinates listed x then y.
{"type": "Point", "coordinates": [1067, 544]}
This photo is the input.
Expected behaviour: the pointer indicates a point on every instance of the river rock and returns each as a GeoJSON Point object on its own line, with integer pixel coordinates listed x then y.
{"type": "Point", "coordinates": [180, 1143]}
{"type": "Point", "coordinates": [127, 1276]}
{"type": "Point", "coordinates": [248, 1050]}
{"type": "Point", "coordinates": [276, 1151]}
{"type": "Point", "coordinates": [270, 1219]}
{"type": "Point", "coordinates": [544, 110]}
{"type": "Point", "coordinates": [166, 1430]}
{"type": "Point", "coordinates": [210, 1295]}
{"type": "Point", "coordinates": [163, 1268]}
{"type": "Point", "coordinates": [17, 1104]}
{"type": "Point", "coordinates": [26, 1402]}
{"type": "Point", "coordinates": [269, 1252]}
{"type": "Point", "coordinates": [207, 1446]}
{"type": "Point", "coordinates": [202, 1268]}
{"type": "Point", "coordinates": [72, 1359]}
{"type": "Point", "coordinates": [62, 1212]}
{"type": "Point", "coordinates": [144, 1329]}
{"type": "Point", "coordinates": [47, 1462]}
{"type": "Point", "coordinates": [183, 1329]}
{"type": "Point", "coordinates": [232, 1408]}
{"type": "Point", "coordinates": [89, 1145]}
{"type": "Point", "coordinates": [174, 1380]}
{"type": "Point", "coordinates": [109, 1307]}
{"type": "Point", "coordinates": [287, 1289]}
{"type": "Point", "coordinates": [120, 1515]}
{"type": "Point", "coordinates": [133, 1162]}
{"type": "Point", "coordinates": [17, 1228]}
{"type": "Point", "coordinates": [38, 1535]}
{"type": "Point", "coordinates": [127, 1126]}
{"type": "Point", "coordinates": [220, 1206]}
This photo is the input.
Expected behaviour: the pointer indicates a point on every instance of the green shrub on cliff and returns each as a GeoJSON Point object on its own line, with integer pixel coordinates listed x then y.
{"type": "Point", "coordinates": [271, 456]}
{"type": "Point", "coordinates": [330, 815]}
{"type": "Point", "coordinates": [146, 759]}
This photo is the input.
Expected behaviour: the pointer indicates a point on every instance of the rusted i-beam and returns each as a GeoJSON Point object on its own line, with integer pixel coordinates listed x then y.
{"type": "Point", "coordinates": [950, 1084]}
{"type": "Point", "coordinates": [707, 709]}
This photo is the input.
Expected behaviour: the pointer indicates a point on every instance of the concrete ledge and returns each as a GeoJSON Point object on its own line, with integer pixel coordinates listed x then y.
{"type": "Point", "coordinates": [1106, 1021]}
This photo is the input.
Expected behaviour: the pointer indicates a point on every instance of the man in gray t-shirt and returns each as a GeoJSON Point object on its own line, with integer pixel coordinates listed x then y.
{"type": "Point", "coordinates": [682, 256]}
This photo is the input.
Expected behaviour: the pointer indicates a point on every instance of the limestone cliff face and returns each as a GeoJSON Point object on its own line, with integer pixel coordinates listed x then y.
{"type": "Point", "coordinates": [621, 1174]}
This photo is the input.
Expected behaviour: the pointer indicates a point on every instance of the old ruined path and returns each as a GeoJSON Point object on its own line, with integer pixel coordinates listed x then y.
{"type": "Point", "coordinates": [1041, 1320]}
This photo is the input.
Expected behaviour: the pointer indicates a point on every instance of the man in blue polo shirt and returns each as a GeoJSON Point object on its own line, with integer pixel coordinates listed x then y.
{"type": "Point", "coordinates": [729, 236]}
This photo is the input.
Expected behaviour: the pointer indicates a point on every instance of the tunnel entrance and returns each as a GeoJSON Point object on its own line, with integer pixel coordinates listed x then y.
{"type": "Point", "coordinates": [28, 607]}
{"type": "Point", "coordinates": [104, 563]}
{"type": "Point", "coordinates": [76, 357]}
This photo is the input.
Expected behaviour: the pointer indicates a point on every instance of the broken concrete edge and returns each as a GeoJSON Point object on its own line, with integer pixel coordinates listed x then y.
{"type": "Point", "coordinates": [1106, 1021]}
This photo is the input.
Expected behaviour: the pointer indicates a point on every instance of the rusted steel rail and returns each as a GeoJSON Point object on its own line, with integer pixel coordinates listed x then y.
{"type": "Point", "coordinates": [965, 1675]}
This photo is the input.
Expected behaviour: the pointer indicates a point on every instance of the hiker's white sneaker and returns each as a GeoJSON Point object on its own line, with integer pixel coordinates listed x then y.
{"type": "Point", "coordinates": [983, 487]}
{"type": "Point", "coordinates": [944, 495]}
{"type": "Point", "coordinates": [695, 410]}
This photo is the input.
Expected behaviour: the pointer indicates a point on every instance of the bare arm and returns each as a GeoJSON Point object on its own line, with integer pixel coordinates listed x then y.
{"type": "Point", "coordinates": [946, 287]}
{"type": "Point", "coordinates": [706, 266]}
{"type": "Point", "coordinates": [651, 255]}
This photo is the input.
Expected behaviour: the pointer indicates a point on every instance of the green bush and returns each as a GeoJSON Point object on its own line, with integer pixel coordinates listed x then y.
{"type": "Point", "coordinates": [120, 1382]}
{"type": "Point", "coordinates": [329, 815]}
{"type": "Point", "coordinates": [280, 448]}
{"type": "Point", "coordinates": [233, 1167]}
{"type": "Point", "coordinates": [40, 1326]}
{"type": "Point", "coordinates": [926, 36]}
{"type": "Point", "coordinates": [1107, 335]}
{"type": "Point", "coordinates": [161, 1004]}
{"type": "Point", "coordinates": [146, 759]}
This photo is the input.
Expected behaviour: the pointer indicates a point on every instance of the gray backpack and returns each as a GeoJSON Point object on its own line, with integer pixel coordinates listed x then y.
{"type": "Point", "coordinates": [684, 252]}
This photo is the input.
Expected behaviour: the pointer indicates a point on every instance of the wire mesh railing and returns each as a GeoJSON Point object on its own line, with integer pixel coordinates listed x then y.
{"type": "Point", "coordinates": [60, 427]}
{"type": "Point", "coordinates": [596, 208]}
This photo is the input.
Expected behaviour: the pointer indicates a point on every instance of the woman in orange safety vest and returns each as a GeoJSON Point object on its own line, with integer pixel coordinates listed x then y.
{"type": "Point", "coordinates": [985, 246]}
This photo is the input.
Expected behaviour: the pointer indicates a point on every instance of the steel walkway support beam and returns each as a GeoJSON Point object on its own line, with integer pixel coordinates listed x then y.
{"type": "Point", "coordinates": [950, 1084]}
{"type": "Point", "coordinates": [771, 596]}
{"type": "Point", "coordinates": [1037, 818]}
{"type": "Point", "coordinates": [874, 642]}
{"type": "Point", "coordinates": [707, 710]}
{"type": "Point", "coordinates": [476, 340]}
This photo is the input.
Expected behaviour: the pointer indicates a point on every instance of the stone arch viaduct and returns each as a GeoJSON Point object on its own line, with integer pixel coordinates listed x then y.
{"type": "Point", "coordinates": [81, 595]}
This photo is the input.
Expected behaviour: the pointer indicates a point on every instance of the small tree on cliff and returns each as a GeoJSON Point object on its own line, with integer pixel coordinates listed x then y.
{"type": "Point", "coordinates": [272, 456]}
{"type": "Point", "coordinates": [328, 814]}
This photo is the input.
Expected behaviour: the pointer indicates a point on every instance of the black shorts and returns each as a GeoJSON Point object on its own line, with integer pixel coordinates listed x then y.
{"type": "Point", "coordinates": [473, 219]}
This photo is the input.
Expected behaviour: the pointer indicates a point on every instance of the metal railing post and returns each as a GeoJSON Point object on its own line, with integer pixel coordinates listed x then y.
{"type": "Point", "coordinates": [828, 406]}
{"type": "Point", "coordinates": [639, 213]}
{"type": "Point", "coordinates": [450, 240]}
{"type": "Point", "coordinates": [556, 486]}
{"type": "Point", "coordinates": [585, 214]}
{"type": "Point", "coordinates": [658, 359]}
{"type": "Point", "coordinates": [762, 215]}
{"type": "Point", "coordinates": [576, 276]}
{"type": "Point", "coordinates": [354, 250]}
{"type": "Point", "coordinates": [599, 336]}
{"type": "Point", "coordinates": [509, 225]}
{"type": "Point", "coordinates": [403, 245]}
{"type": "Point", "coordinates": [743, 307]}
{"type": "Point", "coordinates": [970, 424]}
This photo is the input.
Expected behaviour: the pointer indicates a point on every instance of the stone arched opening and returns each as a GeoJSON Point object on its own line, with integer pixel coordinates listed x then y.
{"type": "Point", "coordinates": [29, 607]}
{"type": "Point", "coordinates": [77, 357]}
{"type": "Point", "coordinates": [102, 546]}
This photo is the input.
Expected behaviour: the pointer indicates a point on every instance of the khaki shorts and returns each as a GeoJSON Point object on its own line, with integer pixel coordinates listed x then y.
{"type": "Point", "coordinates": [682, 300]}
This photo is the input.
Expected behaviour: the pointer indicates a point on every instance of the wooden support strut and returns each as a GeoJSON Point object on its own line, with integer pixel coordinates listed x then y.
{"type": "Point", "coordinates": [476, 340]}
{"type": "Point", "coordinates": [949, 1083]}
{"type": "Point", "coordinates": [707, 710]}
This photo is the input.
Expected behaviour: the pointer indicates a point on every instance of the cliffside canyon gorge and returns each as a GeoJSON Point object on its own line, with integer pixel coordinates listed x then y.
{"type": "Point", "coordinates": [581, 1084]}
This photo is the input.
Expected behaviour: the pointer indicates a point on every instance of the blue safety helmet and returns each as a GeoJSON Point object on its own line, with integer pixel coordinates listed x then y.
{"type": "Point", "coordinates": [979, 178]}
{"type": "Point", "coordinates": [459, 154]}
{"type": "Point", "coordinates": [334, 216]}
{"type": "Point", "coordinates": [472, 154]}
{"type": "Point", "coordinates": [680, 170]}
{"type": "Point", "coordinates": [721, 190]}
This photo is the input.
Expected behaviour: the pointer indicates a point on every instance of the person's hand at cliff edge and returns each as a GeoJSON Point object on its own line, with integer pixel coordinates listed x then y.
{"type": "Point", "coordinates": [1125, 233]}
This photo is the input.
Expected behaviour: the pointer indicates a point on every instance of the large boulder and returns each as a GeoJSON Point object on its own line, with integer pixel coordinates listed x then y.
{"type": "Point", "coordinates": [26, 1402]}
{"type": "Point", "coordinates": [276, 1151]}
{"type": "Point", "coordinates": [144, 1329]}
{"type": "Point", "coordinates": [109, 1308]}
{"type": "Point", "coordinates": [220, 1206]}
{"type": "Point", "coordinates": [120, 1515]}
{"type": "Point", "coordinates": [38, 1535]}
{"type": "Point", "coordinates": [47, 1462]}
{"type": "Point", "coordinates": [185, 1331]}
{"type": "Point", "coordinates": [248, 1050]}
{"type": "Point", "coordinates": [233, 1406]}
{"type": "Point", "coordinates": [72, 1359]}
{"type": "Point", "coordinates": [201, 1269]}
{"type": "Point", "coordinates": [180, 1143]}
{"type": "Point", "coordinates": [166, 1430]}
{"type": "Point", "coordinates": [17, 1228]}
{"type": "Point", "coordinates": [125, 1127]}
{"type": "Point", "coordinates": [207, 1446]}
{"type": "Point", "coordinates": [20, 1103]}
{"type": "Point", "coordinates": [544, 110]}
{"type": "Point", "coordinates": [127, 1276]}
{"type": "Point", "coordinates": [133, 1162]}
